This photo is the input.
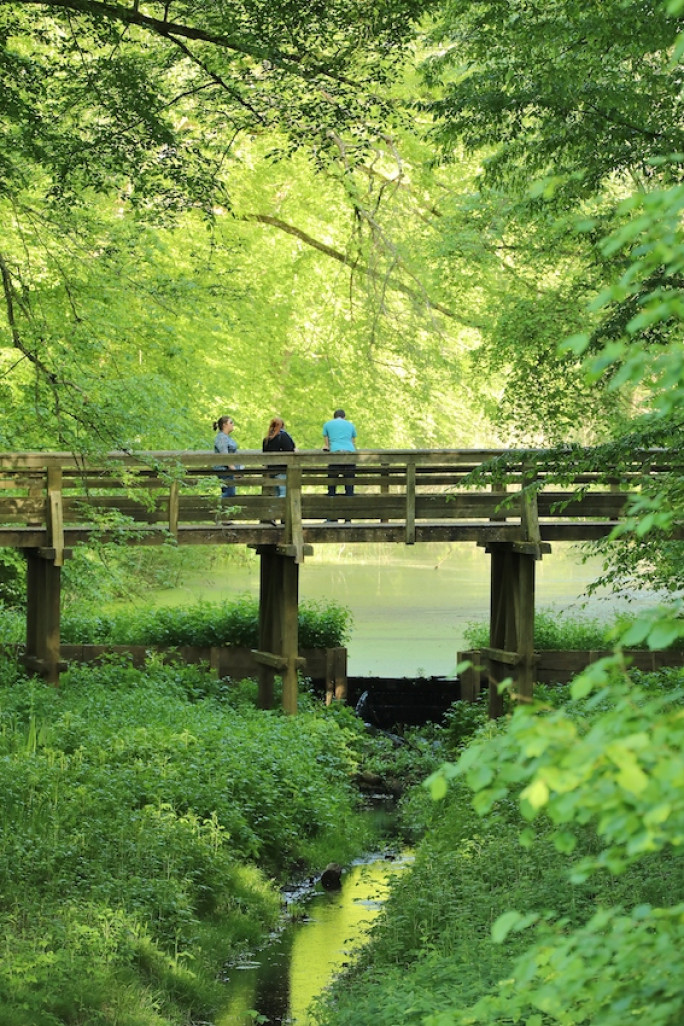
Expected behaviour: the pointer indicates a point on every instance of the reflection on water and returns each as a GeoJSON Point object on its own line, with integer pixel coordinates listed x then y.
{"type": "Point", "coordinates": [410, 604]}
{"type": "Point", "coordinates": [283, 980]}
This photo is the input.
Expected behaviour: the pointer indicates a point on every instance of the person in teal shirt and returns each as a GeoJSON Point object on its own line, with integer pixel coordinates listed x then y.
{"type": "Point", "coordinates": [339, 435]}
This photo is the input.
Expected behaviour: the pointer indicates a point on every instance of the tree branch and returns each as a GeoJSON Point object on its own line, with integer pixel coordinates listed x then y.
{"type": "Point", "coordinates": [342, 258]}
{"type": "Point", "coordinates": [292, 62]}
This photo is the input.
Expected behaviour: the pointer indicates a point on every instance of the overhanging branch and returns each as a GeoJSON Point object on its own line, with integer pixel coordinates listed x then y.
{"type": "Point", "coordinates": [353, 263]}
{"type": "Point", "coordinates": [292, 62]}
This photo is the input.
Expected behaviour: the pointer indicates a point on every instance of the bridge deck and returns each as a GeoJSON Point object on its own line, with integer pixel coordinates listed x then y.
{"type": "Point", "coordinates": [56, 500]}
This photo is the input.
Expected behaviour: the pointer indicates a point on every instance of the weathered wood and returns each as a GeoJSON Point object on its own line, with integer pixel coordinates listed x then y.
{"type": "Point", "coordinates": [500, 655]}
{"type": "Point", "coordinates": [269, 619]}
{"type": "Point", "coordinates": [335, 675]}
{"type": "Point", "coordinates": [43, 590]}
{"type": "Point", "coordinates": [275, 662]}
{"type": "Point", "coordinates": [559, 667]}
{"type": "Point", "coordinates": [173, 508]}
{"type": "Point", "coordinates": [293, 519]}
{"type": "Point", "coordinates": [526, 573]}
{"type": "Point", "coordinates": [410, 504]}
{"type": "Point", "coordinates": [290, 633]}
{"type": "Point", "coordinates": [470, 677]}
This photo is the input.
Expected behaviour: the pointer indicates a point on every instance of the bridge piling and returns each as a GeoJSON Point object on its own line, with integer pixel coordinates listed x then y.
{"type": "Point", "coordinates": [43, 593]}
{"type": "Point", "coordinates": [278, 626]}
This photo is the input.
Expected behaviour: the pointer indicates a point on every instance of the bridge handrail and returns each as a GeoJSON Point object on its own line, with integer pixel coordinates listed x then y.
{"type": "Point", "coordinates": [169, 489]}
{"type": "Point", "coordinates": [659, 459]}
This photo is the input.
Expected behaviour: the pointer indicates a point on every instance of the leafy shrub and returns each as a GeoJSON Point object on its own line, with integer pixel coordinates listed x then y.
{"type": "Point", "coordinates": [463, 719]}
{"type": "Point", "coordinates": [12, 625]}
{"type": "Point", "coordinates": [138, 825]}
{"type": "Point", "coordinates": [204, 624]}
{"type": "Point", "coordinates": [552, 630]}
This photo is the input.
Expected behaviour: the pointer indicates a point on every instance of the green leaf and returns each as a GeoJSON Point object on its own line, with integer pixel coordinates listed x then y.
{"type": "Point", "coordinates": [565, 842]}
{"type": "Point", "coordinates": [575, 344]}
{"type": "Point", "coordinates": [503, 926]}
{"type": "Point", "coordinates": [437, 785]}
{"type": "Point", "coordinates": [536, 793]}
{"type": "Point", "coordinates": [664, 634]}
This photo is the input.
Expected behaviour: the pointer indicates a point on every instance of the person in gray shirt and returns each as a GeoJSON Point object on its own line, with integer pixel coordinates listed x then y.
{"type": "Point", "coordinates": [225, 445]}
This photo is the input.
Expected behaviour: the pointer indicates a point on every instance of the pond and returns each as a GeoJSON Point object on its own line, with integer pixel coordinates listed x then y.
{"type": "Point", "coordinates": [410, 604]}
{"type": "Point", "coordinates": [280, 982]}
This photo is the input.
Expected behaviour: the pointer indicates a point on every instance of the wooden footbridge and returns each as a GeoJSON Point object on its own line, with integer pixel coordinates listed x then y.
{"type": "Point", "coordinates": [51, 502]}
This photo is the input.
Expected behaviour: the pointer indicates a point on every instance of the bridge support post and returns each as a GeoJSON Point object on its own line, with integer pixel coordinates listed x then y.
{"type": "Point", "coordinates": [43, 587]}
{"type": "Point", "coordinates": [278, 626]}
{"type": "Point", "coordinates": [511, 621]}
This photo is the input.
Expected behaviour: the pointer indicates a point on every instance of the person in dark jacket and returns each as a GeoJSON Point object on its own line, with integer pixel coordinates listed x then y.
{"type": "Point", "coordinates": [278, 440]}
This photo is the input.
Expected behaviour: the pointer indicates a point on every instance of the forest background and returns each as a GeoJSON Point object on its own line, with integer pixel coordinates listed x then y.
{"type": "Point", "coordinates": [253, 209]}
{"type": "Point", "coordinates": [461, 221]}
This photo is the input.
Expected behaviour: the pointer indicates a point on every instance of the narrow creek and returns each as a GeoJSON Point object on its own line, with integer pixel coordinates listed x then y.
{"type": "Point", "coordinates": [282, 980]}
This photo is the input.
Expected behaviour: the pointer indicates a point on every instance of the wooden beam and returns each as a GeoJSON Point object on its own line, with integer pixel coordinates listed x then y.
{"type": "Point", "coordinates": [277, 662]}
{"type": "Point", "coordinates": [43, 588]}
{"type": "Point", "coordinates": [293, 513]}
{"type": "Point", "coordinates": [500, 655]}
{"type": "Point", "coordinates": [55, 514]}
{"type": "Point", "coordinates": [410, 503]}
{"type": "Point", "coordinates": [290, 633]}
{"type": "Point", "coordinates": [173, 508]}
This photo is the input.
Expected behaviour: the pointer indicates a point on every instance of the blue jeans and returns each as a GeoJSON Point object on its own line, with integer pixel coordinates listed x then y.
{"type": "Point", "coordinates": [279, 489]}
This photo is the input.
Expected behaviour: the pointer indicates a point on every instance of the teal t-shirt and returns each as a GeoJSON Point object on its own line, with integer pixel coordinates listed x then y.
{"type": "Point", "coordinates": [341, 434]}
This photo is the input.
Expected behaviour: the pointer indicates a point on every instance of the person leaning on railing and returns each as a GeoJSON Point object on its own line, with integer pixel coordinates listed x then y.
{"type": "Point", "coordinates": [278, 440]}
{"type": "Point", "coordinates": [225, 445]}
{"type": "Point", "coordinates": [339, 435]}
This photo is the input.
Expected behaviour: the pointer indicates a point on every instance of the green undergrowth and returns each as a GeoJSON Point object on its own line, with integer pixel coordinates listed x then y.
{"type": "Point", "coordinates": [556, 630]}
{"type": "Point", "coordinates": [203, 624]}
{"type": "Point", "coordinates": [147, 819]}
{"type": "Point", "coordinates": [548, 887]}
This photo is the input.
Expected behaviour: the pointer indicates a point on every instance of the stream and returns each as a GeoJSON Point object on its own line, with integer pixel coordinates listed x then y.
{"type": "Point", "coordinates": [280, 982]}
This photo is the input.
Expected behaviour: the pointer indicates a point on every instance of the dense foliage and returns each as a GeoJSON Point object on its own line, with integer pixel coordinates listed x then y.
{"type": "Point", "coordinates": [144, 818]}
{"type": "Point", "coordinates": [579, 925]}
{"type": "Point", "coordinates": [224, 207]}
{"type": "Point", "coordinates": [229, 623]}
{"type": "Point", "coordinates": [558, 630]}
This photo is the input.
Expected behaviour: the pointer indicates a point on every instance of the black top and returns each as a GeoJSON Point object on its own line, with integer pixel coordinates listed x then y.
{"type": "Point", "coordinates": [282, 442]}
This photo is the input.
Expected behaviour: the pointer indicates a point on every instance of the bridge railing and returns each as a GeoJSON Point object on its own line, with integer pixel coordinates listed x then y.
{"type": "Point", "coordinates": [181, 490]}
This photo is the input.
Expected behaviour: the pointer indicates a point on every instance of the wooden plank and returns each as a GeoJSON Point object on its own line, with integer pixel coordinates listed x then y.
{"type": "Point", "coordinates": [500, 655]}
{"type": "Point", "coordinates": [293, 513]}
{"type": "Point", "coordinates": [470, 678]}
{"type": "Point", "coordinates": [43, 587]}
{"type": "Point", "coordinates": [529, 517]}
{"type": "Point", "coordinates": [276, 662]}
{"type": "Point", "coordinates": [290, 633]}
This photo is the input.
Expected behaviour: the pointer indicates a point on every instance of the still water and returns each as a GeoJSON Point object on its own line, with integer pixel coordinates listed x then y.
{"type": "Point", "coordinates": [410, 604]}
{"type": "Point", "coordinates": [281, 982]}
